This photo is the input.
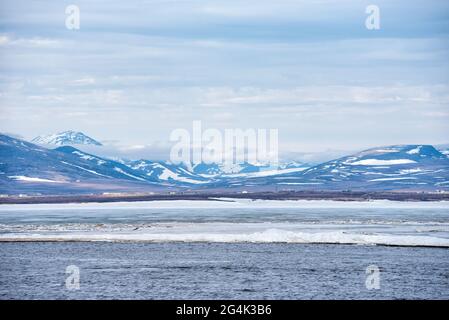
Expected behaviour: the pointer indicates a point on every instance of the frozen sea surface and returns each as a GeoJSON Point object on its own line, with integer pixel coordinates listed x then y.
{"type": "Point", "coordinates": [381, 222]}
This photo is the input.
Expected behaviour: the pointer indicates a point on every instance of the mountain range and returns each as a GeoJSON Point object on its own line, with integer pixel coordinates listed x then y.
{"type": "Point", "coordinates": [58, 167]}
{"type": "Point", "coordinates": [399, 167]}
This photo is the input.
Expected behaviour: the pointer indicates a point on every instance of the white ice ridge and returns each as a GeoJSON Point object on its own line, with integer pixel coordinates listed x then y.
{"type": "Point", "coordinates": [377, 162]}
{"type": "Point", "coordinates": [33, 179]}
{"type": "Point", "coordinates": [266, 236]}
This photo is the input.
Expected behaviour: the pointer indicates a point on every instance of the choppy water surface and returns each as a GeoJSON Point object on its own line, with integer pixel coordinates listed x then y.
{"type": "Point", "coordinates": [220, 271]}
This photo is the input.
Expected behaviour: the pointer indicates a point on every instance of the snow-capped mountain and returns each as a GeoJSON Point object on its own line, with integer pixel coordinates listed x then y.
{"type": "Point", "coordinates": [397, 167]}
{"type": "Point", "coordinates": [165, 172]}
{"type": "Point", "coordinates": [29, 168]}
{"type": "Point", "coordinates": [142, 170]}
{"type": "Point", "coordinates": [214, 169]}
{"type": "Point", "coordinates": [66, 138]}
{"type": "Point", "coordinates": [242, 169]}
{"type": "Point", "coordinates": [293, 164]}
{"type": "Point", "coordinates": [103, 166]}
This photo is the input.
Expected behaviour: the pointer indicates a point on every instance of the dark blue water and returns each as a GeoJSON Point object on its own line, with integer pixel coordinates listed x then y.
{"type": "Point", "coordinates": [36, 270]}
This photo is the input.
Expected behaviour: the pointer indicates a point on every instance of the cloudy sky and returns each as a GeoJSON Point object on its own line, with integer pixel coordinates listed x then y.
{"type": "Point", "coordinates": [136, 70]}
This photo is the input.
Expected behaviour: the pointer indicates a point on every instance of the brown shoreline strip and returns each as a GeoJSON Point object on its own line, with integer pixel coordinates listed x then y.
{"type": "Point", "coordinates": [290, 195]}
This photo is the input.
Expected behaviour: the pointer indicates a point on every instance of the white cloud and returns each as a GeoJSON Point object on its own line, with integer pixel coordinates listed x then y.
{"type": "Point", "coordinates": [84, 81]}
{"type": "Point", "coordinates": [310, 69]}
{"type": "Point", "coordinates": [3, 40]}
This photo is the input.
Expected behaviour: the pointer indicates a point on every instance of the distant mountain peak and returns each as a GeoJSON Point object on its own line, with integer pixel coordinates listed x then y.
{"type": "Point", "coordinates": [408, 151]}
{"type": "Point", "coordinates": [68, 137]}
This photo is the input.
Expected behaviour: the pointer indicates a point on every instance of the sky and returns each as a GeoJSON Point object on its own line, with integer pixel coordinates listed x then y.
{"type": "Point", "coordinates": [136, 70]}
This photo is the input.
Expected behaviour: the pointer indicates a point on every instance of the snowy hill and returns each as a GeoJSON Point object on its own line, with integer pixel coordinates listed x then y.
{"type": "Point", "coordinates": [243, 169]}
{"type": "Point", "coordinates": [66, 138]}
{"type": "Point", "coordinates": [28, 168]}
{"type": "Point", "coordinates": [419, 167]}
{"type": "Point", "coordinates": [214, 169]}
{"type": "Point", "coordinates": [165, 172]}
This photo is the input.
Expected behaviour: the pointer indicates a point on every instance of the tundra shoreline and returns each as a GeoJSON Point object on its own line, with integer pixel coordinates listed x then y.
{"type": "Point", "coordinates": [211, 196]}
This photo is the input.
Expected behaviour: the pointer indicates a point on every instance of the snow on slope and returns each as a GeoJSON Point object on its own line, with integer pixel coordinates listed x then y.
{"type": "Point", "coordinates": [376, 162]}
{"type": "Point", "coordinates": [66, 138]}
{"type": "Point", "coordinates": [32, 179]}
{"type": "Point", "coordinates": [166, 172]}
{"type": "Point", "coordinates": [396, 167]}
